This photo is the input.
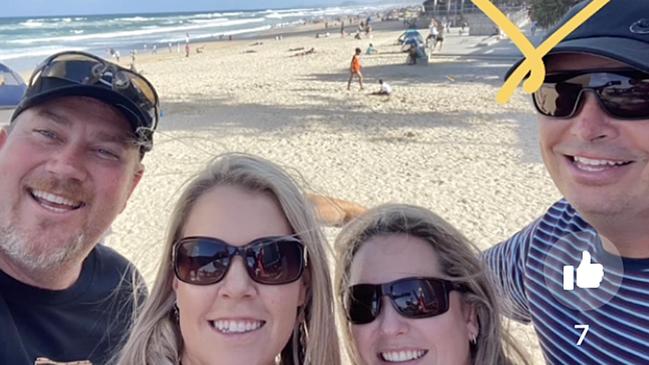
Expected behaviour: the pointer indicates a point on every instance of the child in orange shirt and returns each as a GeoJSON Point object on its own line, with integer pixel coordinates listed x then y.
{"type": "Point", "coordinates": [355, 69]}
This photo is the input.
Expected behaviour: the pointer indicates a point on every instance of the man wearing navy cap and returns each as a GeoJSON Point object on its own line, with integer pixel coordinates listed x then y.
{"type": "Point", "coordinates": [70, 159]}
{"type": "Point", "coordinates": [580, 272]}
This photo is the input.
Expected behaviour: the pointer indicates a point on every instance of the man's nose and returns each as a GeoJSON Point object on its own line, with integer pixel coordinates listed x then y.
{"type": "Point", "coordinates": [68, 162]}
{"type": "Point", "coordinates": [592, 123]}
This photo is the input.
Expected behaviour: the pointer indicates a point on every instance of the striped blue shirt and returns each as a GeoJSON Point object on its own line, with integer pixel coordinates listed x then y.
{"type": "Point", "coordinates": [532, 266]}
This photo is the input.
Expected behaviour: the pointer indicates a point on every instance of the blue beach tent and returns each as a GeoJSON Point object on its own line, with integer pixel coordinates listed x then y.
{"type": "Point", "coordinates": [12, 87]}
{"type": "Point", "coordinates": [410, 36]}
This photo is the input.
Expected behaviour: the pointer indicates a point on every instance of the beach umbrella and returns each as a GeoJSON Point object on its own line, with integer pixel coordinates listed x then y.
{"type": "Point", "coordinates": [12, 87]}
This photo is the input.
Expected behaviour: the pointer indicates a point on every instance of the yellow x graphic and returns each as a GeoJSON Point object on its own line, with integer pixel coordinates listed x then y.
{"type": "Point", "coordinates": [533, 62]}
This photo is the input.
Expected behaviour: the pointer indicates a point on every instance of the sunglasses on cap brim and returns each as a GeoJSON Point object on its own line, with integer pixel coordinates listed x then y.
{"type": "Point", "coordinates": [623, 94]}
{"type": "Point", "coordinates": [273, 260]}
{"type": "Point", "coordinates": [413, 297]}
{"type": "Point", "coordinates": [85, 69]}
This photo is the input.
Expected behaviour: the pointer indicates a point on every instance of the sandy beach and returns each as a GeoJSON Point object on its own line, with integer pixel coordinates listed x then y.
{"type": "Point", "coordinates": [440, 141]}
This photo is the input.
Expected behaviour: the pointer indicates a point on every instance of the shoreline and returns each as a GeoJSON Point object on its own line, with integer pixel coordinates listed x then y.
{"type": "Point", "coordinates": [176, 36]}
{"type": "Point", "coordinates": [308, 30]}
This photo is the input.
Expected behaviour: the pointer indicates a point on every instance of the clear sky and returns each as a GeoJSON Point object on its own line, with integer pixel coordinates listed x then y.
{"type": "Point", "coordinates": [15, 8]}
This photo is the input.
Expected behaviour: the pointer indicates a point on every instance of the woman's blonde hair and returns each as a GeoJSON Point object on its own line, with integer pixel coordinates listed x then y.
{"type": "Point", "coordinates": [458, 262]}
{"type": "Point", "coordinates": [155, 338]}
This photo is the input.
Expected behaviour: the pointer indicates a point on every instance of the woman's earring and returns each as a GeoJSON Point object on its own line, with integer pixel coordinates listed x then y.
{"type": "Point", "coordinates": [176, 312]}
{"type": "Point", "coordinates": [474, 339]}
{"type": "Point", "coordinates": [300, 337]}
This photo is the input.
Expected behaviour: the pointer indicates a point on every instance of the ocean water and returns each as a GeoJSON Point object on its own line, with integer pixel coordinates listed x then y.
{"type": "Point", "coordinates": [24, 42]}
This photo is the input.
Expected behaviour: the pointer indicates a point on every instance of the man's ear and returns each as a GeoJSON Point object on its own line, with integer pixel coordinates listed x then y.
{"type": "Point", "coordinates": [4, 134]}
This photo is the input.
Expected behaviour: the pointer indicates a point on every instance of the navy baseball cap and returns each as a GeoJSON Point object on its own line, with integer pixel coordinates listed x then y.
{"type": "Point", "coordinates": [83, 74]}
{"type": "Point", "coordinates": [619, 30]}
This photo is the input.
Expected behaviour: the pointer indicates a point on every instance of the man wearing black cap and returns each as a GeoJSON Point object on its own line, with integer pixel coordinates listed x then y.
{"type": "Point", "coordinates": [580, 273]}
{"type": "Point", "coordinates": [70, 159]}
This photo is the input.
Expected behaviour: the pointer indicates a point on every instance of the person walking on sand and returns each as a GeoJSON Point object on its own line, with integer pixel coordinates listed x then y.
{"type": "Point", "coordinates": [355, 69]}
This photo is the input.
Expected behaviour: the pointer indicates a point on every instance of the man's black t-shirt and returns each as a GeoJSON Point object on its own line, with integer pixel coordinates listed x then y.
{"type": "Point", "coordinates": [88, 321]}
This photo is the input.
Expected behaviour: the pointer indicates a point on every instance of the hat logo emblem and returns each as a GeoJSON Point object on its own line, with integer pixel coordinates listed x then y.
{"type": "Point", "coordinates": [640, 27]}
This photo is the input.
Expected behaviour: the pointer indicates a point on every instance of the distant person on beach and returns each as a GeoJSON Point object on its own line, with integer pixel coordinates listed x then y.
{"type": "Point", "coordinates": [464, 25]}
{"type": "Point", "coordinates": [384, 89]}
{"type": "Point", "coordinates": [411, 289]}
{"type": "Point", "coordinates": [244, 276]}
{"type": "Point", "coordinates": [355, 69]}
{"type": "Point", "coordinates": [371, 50]}
{"type": "Point", "coordinates": [593, 123]}
{"type": "Point", "coordinates": [114, 54]}
{"type": "Point", "coordinates": [439, 38]}
{"type": "Point", "coordinates": [70, 159]}
{"type": "Point", "coordinates": [133, 54]}
{"type": "Point", "coordinates": [413, 54]}
{"type": "Point", "coordinates": [304, 53]}
{"type": "Point", "coordinates": [431, 40]}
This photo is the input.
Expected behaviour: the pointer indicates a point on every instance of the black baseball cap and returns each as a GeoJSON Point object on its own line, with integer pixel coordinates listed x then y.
{"type": "Point", "coordinates": [83, 74]}
{"type": "Point", "coordinates": [619, 30]}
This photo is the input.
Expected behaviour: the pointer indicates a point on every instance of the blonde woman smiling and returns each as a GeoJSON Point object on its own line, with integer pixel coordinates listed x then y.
{"type": "Point", "coordinates": [244, 278]}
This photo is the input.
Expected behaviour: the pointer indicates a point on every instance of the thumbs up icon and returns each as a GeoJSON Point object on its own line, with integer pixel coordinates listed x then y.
{"type": "Point", "coordinates": [589, 275]}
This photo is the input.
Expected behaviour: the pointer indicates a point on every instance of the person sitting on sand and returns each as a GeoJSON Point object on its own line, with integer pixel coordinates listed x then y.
{"type": "Point", "coordinates": [371, 49]}
{"type": "Point", "coordinates": [355, 69]}
{"type": "Point", "coordinates": [412, 55]}
{"type": "Point", "coordinates": [304, 53]}
{"type": "Point", "coordinates": [386, 89]}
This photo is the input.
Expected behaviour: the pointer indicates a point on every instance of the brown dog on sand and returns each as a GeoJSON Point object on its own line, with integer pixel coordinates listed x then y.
{"type": "Point", "coordinates": [335, 212]}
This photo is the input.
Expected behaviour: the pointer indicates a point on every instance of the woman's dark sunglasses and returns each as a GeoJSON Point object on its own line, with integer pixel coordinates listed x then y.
{"type": "Point", "coordinates": [268, 260]}
{"type": "Point", "coordinates": [623, 94]}
{"type": "Point", "coordinates": [414, 297]}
